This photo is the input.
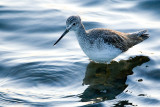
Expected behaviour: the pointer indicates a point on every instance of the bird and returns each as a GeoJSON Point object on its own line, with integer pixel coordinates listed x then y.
{"type": "Point", "coordinates": [102, 45]}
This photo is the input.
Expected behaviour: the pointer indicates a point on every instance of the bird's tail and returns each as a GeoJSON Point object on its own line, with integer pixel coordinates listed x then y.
{"type": "Point", "coordinates": [140, 34]}
{"type": "Point", "coordinates": [138, 37]}
{"type": "Point", "coordinates": [144, 35]}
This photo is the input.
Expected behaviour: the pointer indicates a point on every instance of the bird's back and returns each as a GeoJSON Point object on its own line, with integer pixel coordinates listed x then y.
{"type": "Point", "coordinates": [118, 39]}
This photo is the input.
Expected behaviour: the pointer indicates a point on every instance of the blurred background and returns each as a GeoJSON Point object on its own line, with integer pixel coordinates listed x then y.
{"type": "Point", "coordinates": [33, 73]}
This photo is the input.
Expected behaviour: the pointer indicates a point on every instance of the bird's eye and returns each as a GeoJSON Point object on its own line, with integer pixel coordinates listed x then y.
{"type": "Point", "coordinates": [74, 23]}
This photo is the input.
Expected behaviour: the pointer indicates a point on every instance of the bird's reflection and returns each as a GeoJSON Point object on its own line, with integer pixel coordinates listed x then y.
{"type": "Point", "coordinates": [106, 81]}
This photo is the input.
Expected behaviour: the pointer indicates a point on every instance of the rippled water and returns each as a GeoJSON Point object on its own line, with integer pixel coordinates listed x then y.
{"type": "Point", "coordinates": [34, 73]}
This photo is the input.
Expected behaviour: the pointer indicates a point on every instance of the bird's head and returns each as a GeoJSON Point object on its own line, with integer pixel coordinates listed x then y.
{"type": "Point", "coordinates": [72, 23]}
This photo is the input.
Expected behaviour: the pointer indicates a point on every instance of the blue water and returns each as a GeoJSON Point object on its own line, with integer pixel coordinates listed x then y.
{"type": "Point", "coordinates": [33, 73]}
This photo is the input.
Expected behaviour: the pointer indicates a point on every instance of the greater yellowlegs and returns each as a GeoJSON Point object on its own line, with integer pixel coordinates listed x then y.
{"type": "Point", "coordinates": [100, 44]}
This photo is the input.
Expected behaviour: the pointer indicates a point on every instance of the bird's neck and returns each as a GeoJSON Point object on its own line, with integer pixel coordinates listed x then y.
{"type": "Point", "coordinates": [82, 37]}
{"type": "Point", "coordinates": [81, 32]}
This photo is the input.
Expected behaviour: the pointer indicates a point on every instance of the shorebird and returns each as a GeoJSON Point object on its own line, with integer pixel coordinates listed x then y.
{"type": "Point", "coordinates": [101, 44]}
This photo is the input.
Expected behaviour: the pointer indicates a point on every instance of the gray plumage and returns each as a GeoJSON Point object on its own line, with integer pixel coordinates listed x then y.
{"type": "Point", "coordinates": [100, 44]}
{"type": "Point", "coordinates": [120, 40]}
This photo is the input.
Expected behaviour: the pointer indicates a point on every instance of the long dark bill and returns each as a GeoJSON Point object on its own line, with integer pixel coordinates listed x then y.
{"type": "Point", "coordinates": [65, 32]}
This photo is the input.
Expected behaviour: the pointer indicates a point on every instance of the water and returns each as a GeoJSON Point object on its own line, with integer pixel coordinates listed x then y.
{"type": "Point", "coordinates": [36, 74]}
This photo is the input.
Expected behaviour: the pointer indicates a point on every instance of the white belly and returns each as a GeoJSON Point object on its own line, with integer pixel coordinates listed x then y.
{"type": "Point", "coordinates": [101, 53]}
{"type": "Point", "coordinates": [97, 50]}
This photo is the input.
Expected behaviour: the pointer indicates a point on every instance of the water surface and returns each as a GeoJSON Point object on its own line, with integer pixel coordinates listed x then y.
{"type": "Point", "coordinates": [36, 74]}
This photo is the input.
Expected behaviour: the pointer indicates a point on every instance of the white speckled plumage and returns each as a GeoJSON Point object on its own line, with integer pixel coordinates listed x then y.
{"type": "Point", "coordinates": [102, 45]}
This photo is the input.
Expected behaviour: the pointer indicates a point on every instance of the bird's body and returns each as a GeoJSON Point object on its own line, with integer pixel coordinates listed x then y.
{"type": "Point", "coordinates": [103, 45]}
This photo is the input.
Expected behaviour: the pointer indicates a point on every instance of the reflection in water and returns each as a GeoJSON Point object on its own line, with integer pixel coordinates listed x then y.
{"type": "Point", "coordinates": [34, 74]}
{"type": "Point", "coordinates": [106, 81]}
